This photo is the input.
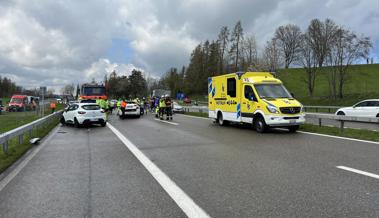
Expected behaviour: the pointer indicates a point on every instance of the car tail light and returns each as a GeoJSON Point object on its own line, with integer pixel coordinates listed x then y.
{"type": "Point", "coordinates": [81, 112]}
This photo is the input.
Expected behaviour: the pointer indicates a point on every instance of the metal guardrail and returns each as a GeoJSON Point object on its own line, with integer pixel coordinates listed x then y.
{"type": "Point", "coordinates": [341, 119]}
{"type": "Point", "coordinates": [319, 116]}
{"type": "Point", "coordinates": [329, 109]}
{"type": "Point", "coordinates": [27, 128]}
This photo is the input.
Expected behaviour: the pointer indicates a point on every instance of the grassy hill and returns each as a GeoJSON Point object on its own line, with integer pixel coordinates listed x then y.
{"type": "Point", "coordinates": [363, 83]}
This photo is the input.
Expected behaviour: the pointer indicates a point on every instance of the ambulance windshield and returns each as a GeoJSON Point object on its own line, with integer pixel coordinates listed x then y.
{"type": "Point", "coordinates": [272, 91]}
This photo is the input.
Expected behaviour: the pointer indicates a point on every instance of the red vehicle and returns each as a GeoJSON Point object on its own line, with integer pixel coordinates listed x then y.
{"type": "Point", "coordinates": [93, 91]}
{"type": "Point", "coordinates": [18, 103]}
{"type": "Point", "coordinates": [187, 100]}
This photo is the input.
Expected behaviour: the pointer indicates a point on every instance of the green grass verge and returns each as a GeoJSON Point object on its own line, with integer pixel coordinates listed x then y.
{"type": "Point", "coordinates": [11, 120]}
{"type": "Point", "coordinates": [362, 83]}
{"type": "Point", "coordinates": [15, 150]}
{"type": "Point", "coordinates": [333, 131]}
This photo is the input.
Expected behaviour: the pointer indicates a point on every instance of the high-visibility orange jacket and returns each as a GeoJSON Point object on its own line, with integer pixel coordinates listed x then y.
{"type": "Point", "coordinates": [52, 105]}
{"type": "Point", "coordinates": [123, 104]}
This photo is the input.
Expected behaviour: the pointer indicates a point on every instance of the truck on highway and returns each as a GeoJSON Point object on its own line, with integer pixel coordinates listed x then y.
{"type": "Point", "coordinates": [161, 92]}
{"type": "Point", "coordinates": [257, 98]}
{"type": "Point", "coordinates": [23, 103]}
{"type": "Point", "coordinates": [92, 91]}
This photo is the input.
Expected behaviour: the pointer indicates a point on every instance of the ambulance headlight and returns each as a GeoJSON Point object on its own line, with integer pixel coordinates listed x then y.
{"type": "Point", "coordinates": [272, 109]}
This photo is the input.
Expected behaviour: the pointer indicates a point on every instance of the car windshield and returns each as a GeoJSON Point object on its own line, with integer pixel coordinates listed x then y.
{"type": "Point", "coordinates": [16, 100]}
{"type": "Point", "coordinates": [272, 91]}
{"type": "Point", "coordinates": [91, 107]}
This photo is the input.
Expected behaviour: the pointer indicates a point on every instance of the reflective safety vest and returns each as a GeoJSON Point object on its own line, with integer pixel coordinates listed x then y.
{"type": "Point", "coordinates": [118, 103]}
{"type": "Point", "coordinates": [52, 105]}
{"type": "Point", "coordinates": [162, 103]}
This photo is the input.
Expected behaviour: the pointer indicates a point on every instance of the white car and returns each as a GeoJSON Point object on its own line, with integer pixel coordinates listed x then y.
{"type": "Point", "coordinates": [177, 108]}
{"type": "Point", "coordinates": [366, 108]}
{"type": "Point", "coordinates": [132, 109]}
{"type": "Point", "coordinates": [84, 113]}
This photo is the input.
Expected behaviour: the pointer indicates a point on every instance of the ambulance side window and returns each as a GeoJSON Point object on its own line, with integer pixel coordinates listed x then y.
{"type": "Point", "coordinates": [249, 93]}
{"type": "Point", "coordinates": [231, 87]}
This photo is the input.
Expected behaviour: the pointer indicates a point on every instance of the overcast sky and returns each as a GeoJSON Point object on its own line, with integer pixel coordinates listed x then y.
{"type": "Point", "coordinates": [58, 42]}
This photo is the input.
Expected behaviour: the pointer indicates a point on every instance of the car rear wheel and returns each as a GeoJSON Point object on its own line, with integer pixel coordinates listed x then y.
{"type": "Point", "coordinates": [260, 125]}
{"type": "Point", "coordinates": [341, 113]}
{"type": "Point", "coordinates": [103, 124]}
{"type": "Point", "coordinates": [377, 115]}
{"type": "Point", "coordinates": [76, 123]}
{"type": "Point", "coordinates": [63, 121]}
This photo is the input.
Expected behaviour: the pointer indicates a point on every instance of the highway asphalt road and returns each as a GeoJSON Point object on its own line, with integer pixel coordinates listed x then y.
{"type": "Point", "coordinates": [226, 171]}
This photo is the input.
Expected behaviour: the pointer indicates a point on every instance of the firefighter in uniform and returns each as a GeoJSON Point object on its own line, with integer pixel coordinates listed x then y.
{"type": "Point", "coordinates": [168, 108]}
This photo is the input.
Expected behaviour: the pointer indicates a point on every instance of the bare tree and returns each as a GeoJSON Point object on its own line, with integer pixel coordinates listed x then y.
{"type": "Point", "coordinates": [68, 89]}
{"type": "Point", "coordinates": [321, 35]}
{"type": "Point", "coordinates": [307, 58]}
{"type": "Point", "coordinates": [271, 56]}
{"type": "Point", "coordinates": [288, 40]}
{"type": "Point", "coordinates": [236, 41]}
{"type": "Point", "coordinates": [223, 39]}
{"type": "Point", "coordinates": [347, 47]}
{"type": "Point", "coordinates": [249, 52]}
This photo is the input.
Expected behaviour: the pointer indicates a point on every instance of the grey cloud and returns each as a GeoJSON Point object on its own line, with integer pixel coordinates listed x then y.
{"type": "Point", "coordinates": [46, 42]}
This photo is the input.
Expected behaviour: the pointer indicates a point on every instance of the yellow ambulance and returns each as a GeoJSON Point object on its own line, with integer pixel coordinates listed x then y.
{"type": "Point", "coordinates": [257, 98]}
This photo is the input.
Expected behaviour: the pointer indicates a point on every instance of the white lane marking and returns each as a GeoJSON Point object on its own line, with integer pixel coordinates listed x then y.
{"type": "Point", "coordinates": [358, 171]}
{"type": "Point", "coordinates": [189, 207]}
{"type": "Point", "coordinates": [4, 182]}
{"type": "Point", "coordinates": [338, 137]}
{"type": "Point", "coordinates": [164, 121]}
{"type": "Point", "coordinates": [204, 118]}
{"type": "Point", "coordinates": [311, 133]}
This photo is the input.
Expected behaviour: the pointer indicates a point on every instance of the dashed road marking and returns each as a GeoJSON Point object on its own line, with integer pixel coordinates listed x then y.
{"type": "Point", "coordinates": [189, 207]}
{"type": "Point", "coordinates": [372, 175]}
{"type": "Point", "coordinates": [164, 121]}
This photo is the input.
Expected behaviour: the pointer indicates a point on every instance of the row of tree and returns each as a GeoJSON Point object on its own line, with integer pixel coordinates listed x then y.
{"type": "Point", "coordinates": [322, 44]}
{"type": "Point", "coordinates": [121, 86]}
{"type": "Point", "coordinates": [8, 87]}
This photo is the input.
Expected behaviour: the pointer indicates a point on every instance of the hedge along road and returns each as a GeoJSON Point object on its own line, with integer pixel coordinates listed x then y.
{"type": "Point", "coordinates": [223, 171]}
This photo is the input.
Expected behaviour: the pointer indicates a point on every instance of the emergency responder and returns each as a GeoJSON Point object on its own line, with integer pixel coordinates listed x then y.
{"type": "Point", "coordinates": [118, 104]}
{"type": "Point", "coordinates": [122, 107]}
{"type": "Point", "coordinates": [168, 107]}
{"type": "Point", "coordinates": [53, 106]}
{"type": "Point", "coordinates": [162, 107]}
{"type": "Point", "coordinates": [156, 103]}
{"type": "Point", "coordinates": [104, 105]}
{"type": "Point", "coordinates": [152, 104]}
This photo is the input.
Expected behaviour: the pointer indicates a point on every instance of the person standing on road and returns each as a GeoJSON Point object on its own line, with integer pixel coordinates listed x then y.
{"type": "Point", "coordinates": [168, 108]}
{"type": "Point", "coordinates": [52, 106]}
{"type": "Point", "coordinates": [122, 107]}
{"type": "Point", "coordinates": [162, 107]}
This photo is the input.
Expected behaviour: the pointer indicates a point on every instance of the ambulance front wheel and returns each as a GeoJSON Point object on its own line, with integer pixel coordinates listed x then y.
{"type": "Point", "coordinates": [260, 124]}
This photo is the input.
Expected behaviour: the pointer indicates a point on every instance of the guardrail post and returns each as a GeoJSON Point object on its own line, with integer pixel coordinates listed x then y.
{"type": "Point", "coordinates": [319, 122]}
{"type": "Point", "coordinates": [5, 147]}
{"type": "Point", "coordinates": [342, 124]}
{"type": "Point", "coordinates": [21, 139]}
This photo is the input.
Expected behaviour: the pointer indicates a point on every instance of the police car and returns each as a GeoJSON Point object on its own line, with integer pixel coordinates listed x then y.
{"type": "Point", "coordinates": [83, 114]}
